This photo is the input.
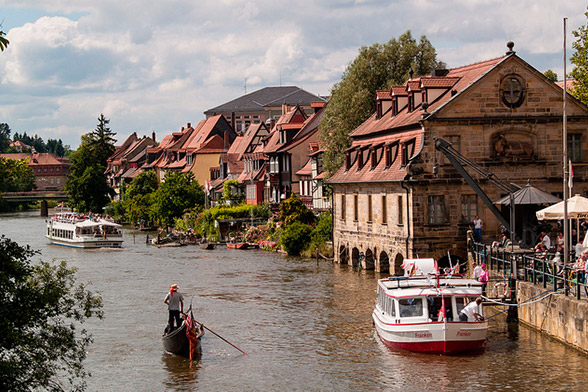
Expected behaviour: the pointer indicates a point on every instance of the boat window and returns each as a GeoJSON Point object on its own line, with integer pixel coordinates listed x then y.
{"type": "Point", "coordinates": [410, 307]}
{"type": "Point", "coordinates": [390, 307]}
{"type": "Point", "coordinates": [461, 302]}
{"type": "Point", "coordinates": [435, 305]}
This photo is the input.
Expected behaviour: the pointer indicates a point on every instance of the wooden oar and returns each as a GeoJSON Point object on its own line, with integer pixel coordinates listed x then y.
{"type": "Point", "coordinates": [210, 330]}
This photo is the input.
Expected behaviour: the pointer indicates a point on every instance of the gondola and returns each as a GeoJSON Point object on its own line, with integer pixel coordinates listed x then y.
{"type": "Point", "coordinates": [178, 343]}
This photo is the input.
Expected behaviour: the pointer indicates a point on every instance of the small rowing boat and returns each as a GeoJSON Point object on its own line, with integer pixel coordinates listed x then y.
{"type": "Point", "coordinates": [207, 245]}
{"type": "Point", "coordinates": [237, 245]}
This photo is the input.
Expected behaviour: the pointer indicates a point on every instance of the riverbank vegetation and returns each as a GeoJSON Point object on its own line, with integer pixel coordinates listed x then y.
{"type": "Point", "coordinates": [41, 310]}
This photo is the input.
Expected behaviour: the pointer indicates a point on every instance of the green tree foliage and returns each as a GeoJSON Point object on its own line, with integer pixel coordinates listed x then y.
{"type": "Point", "coordinates": [16, 175]}
{"type": "Point", "coordinates": [353, 98]}
{"type": "Point", "coordinates": [139, 197]}
{"type": "Point", "coordinates": [86, 185]}
{"type": "Point", "coordinates": [231, 193]}
{"type": "Point", "coordinates": [4, 137]}
{"type": "Point", "coordinates": [580, 61]}
{"type": "Point", "coordinates": [102, 140]}
{"type": "Point", "coordinates": [178, 193]}
{"type": "Point", "coordinates": [3, 41]}
{"type": "Point", "coordinates": [205, 226]}
{"type": "Point", "coordinates": [296, 238]}
{"type": "Point", "coordinates": [293, 210]}
{"type": "Point", "coordinates": [56, 147]}
{"type": "Point", "coordinates": [41, 309]}
{"type": "Point", "coordinates": [144, 184]}
{"type": "Point", "coordinates": [549, 74]}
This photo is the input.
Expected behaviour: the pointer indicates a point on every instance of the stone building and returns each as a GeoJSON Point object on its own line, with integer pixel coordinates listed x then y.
{"type": "Point", "coordinates": [397, 197]}
{"type": "Point", "coordinates": [50, 171]}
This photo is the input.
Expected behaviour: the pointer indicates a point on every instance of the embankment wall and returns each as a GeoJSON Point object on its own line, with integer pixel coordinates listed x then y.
{"type": "Point", "coordinates": [563, 318]}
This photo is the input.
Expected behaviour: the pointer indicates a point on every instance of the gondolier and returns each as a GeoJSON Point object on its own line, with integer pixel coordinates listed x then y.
{"type": "Point", "coordinates": [175, 306]}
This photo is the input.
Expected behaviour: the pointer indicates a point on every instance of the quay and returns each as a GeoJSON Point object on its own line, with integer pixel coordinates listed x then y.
{"type": "Point", "coordinates": [538, 290]}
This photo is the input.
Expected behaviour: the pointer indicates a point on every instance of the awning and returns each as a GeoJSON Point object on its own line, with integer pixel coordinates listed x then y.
{"type": "Point", "coordinates": [529, 195]}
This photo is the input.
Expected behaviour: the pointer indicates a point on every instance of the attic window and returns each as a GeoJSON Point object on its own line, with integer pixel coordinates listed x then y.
{"type": "Point", "coordinates": [407, 151]}
{"type": "Point", "coordinates": [379, 109]}
{"type": "Point", "coordinates": [391, 153]}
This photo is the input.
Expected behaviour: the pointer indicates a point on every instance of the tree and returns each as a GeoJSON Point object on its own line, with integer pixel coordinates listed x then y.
{"type": "Point", "coordinates": [580, 61]}
{"type": "Point", "coordinates": [549, 74]}
{"type": "Point", "coordinates": [102, 140]}
{"type": "Point", "coordinates": [293, 210]}
{"type": "Point", "coordinates": [86, 185]}
{"type": "Point", "coordinates": [352, 99]}
{"type": "Point", "coordinates": [41, 309]}
{"type": "Point", "coordinates": [16, 175]}
{"type": "Point", "coordinates": [178, 193]}
{"type": "Point", "coordinates": [3, 41]}
{"type": "Point", "coordinates": [296, 238]}
{"type": "Point", "coordinates": [4, 137]}
{"type": "Point", "coordinates": [144, 184]}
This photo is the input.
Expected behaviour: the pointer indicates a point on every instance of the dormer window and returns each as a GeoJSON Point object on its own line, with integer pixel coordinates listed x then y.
{"type": "Point", "coordinates": [407, 151]}
{"type": "Point", "coordinates": [347, 160]}
{"type": "Point", "coordinates": [390, 154]}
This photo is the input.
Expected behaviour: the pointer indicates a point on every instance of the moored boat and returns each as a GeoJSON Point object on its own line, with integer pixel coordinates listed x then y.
{"type": "Point", "coordinates": [178, 341]}
{"type": "Point", "coordinates": [237, 245]}
{"type": "Point", "coordinates": [78, 231]}
{"type": "Point", "coordinates": [422, 312]}
{"type": "Point", "coordinates": [207, 245]}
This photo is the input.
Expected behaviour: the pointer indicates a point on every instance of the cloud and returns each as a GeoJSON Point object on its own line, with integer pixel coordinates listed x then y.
{"type": "Point", "coordinates": [158, 65]}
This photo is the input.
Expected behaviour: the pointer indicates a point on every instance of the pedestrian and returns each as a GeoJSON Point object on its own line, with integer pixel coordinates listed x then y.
{"type": "Point", "coordinates": [477, 271]}
{"type": "Point", "coordinates": [472, 311]}
{"type": "Point", "coordinates": [484, 277]}
{"type": "Point", "coordinates": [559, 242]}
{"type": "Point", "coordinates": [175, 306]}
{"type": "Point", "coordinates": [478, 223]}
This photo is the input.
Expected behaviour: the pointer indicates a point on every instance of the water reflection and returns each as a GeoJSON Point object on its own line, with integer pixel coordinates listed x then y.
{"type": "Point", "coordinates": [182, 373]}
{"type": "Point", "coordinates": [306, 326]}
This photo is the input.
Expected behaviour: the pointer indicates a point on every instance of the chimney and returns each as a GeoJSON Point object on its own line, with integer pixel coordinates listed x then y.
{"type": "Point", "coordinates": [284, 108]}
{"type": "Point", "coordinates": [189, 125]}
{"type": "Point", "coordinates": [153, 135]}
{"type": "Point", "coordinates": [227, 142]}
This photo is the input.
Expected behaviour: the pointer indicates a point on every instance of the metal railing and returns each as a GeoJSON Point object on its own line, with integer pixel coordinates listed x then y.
{"type": "Point", "coordinates": [547, 269]}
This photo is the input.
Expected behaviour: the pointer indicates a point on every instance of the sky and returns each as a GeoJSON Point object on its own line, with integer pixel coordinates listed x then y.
{"type": "Point", "coordinates": [154, 66]}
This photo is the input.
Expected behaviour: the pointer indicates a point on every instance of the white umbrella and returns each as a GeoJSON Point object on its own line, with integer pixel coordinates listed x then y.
{"type": "Point", "coordinates": [577, 209]}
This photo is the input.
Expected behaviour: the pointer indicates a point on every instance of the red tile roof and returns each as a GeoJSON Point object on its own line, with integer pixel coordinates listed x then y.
{"type": "Point", "coordinates": [306, 169]}
{"type": "Point", "coordinates": [466, 75]}
{"type": "Point", "coordinates": [384, 94]}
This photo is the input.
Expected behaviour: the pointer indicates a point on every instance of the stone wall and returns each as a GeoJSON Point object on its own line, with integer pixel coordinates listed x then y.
{"type": "Point", "coordinates": [564, 318]}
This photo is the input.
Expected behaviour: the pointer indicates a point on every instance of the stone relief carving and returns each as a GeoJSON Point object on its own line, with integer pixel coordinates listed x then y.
{"type": "Point", "coordinates": [515, 145]}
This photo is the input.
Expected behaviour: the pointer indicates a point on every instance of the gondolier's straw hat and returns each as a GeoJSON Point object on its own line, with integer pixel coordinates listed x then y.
{"type": "Point", "coordinates": [174, 287]}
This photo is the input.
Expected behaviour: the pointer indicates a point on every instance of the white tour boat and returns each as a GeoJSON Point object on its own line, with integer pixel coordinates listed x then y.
{"type": "Point", "coordinates": [77, 231]}
{"type": "Point", "coordinates": [421, 310]}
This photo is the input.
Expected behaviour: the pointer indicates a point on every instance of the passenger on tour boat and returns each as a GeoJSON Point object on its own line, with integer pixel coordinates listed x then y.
{"type": "Point", "coordinates": [472, 311]}
{"type": "Point", "coordinates": [175, 306]}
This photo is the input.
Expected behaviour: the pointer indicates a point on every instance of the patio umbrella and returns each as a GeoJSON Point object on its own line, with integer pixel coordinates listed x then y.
{"type": "Point", "coordinates": [577, 209]}
{"type": "Point", "coordinates": [529, 195]}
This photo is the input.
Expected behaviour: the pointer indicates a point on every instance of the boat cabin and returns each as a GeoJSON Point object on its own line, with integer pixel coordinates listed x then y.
{"type": "Point", "coordinates": [421, 300]}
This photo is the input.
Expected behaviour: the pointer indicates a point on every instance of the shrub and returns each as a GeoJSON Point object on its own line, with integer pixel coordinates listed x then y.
{"type": "Point", "coordinates": [296, 238]}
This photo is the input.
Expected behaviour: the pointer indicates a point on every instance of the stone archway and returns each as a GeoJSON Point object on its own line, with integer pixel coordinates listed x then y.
{"type": "Point", "coordinates": [355, 257]}
{"type": "Point", "coordinates": [398, 260]}
{"type": "Point", "coordinates": [343, 255]}
{"type": "Point", "coordinates": [369, 263]}
{"type": "Point", "coordinates": [383, 262]}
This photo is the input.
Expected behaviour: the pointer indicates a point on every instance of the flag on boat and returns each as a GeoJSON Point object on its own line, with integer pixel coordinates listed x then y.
{"type": "Point", "coordinates": [191, 333]}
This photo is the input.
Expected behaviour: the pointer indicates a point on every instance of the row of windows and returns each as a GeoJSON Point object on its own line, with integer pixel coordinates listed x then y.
{"type": "Point", "coordinates": [415, 307]}
{"type": "Point", "coordinates": [370, 208]}
{"type": "Point", "coordinates": [57, 169]}
{"type": "Point", "coordinates": [436, 208]}
{"type": "Point", "coordinates": [60, 233]}
{"type": "Point", "coordinates": [51, 180]}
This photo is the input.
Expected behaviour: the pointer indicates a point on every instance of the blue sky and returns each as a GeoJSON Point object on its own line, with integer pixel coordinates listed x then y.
{"type": "Point", "coordinates": [155, 66]}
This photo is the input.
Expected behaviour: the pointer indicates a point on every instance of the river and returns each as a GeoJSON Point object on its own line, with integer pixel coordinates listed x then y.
{"type": "Point", "coordinates": [306, 326]}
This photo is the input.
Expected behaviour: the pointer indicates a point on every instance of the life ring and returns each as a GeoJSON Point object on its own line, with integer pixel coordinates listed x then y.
{"type": "Point", "coordinates": [500, 286]}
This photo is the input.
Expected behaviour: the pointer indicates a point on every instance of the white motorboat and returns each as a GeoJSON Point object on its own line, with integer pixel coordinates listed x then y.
{"type": "Point", "coordinates": [421, 310]}
{"type": "Point", "coordinates": [77, 231]}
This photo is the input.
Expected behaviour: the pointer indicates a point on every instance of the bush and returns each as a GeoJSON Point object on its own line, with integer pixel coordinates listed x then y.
{"type": "Point", "coordinates": [322, 233]}
{"type": "Point", "coordinates": [296, 238]}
